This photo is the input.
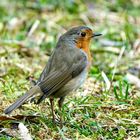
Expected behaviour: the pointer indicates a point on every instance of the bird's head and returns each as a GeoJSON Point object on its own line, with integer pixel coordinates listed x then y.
{"type": "Point", "coordinates": [80, 35]}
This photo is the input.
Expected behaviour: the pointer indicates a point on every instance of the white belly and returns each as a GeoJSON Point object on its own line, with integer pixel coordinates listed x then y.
{"type": "Point", "coordinates": [72, 85]}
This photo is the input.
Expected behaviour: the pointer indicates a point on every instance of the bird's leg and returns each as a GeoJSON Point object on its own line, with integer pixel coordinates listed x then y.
{"type": "Point", "coordinates": [52, 109]}
{"type": "Point", "coordinates": [60, 103]}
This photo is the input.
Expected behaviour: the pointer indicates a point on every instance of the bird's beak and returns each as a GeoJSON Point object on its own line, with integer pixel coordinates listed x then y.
{"type": "Point", "coordinates": [96, 34]}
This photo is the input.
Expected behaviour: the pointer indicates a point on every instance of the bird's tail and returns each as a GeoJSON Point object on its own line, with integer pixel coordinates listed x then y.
{"type": "Point", "coordinates": [34, 90]}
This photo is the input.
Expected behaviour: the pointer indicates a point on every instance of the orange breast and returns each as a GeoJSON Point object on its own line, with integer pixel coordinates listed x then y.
{"type": "Point", "coordinates": [84, 45]}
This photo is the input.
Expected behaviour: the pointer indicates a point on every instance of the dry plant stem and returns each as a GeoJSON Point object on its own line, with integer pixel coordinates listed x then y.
{"type": "Point", "coordinates": [118, 59]}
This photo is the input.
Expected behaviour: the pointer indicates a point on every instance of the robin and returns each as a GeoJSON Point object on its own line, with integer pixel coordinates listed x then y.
{"type": "Point", "coordinates": [65, 71]}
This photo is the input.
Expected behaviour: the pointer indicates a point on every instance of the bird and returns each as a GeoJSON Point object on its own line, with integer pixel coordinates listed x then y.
{"type": "Point", "coordinates": [65, 71]}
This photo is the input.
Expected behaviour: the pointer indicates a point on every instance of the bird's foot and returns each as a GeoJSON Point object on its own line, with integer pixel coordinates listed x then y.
{"type": "Point", "coordinates": [57, 121]}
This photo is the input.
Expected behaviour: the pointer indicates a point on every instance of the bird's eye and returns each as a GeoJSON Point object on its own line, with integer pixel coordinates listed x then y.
{"type": "Point", "coordinates": [83, 34]}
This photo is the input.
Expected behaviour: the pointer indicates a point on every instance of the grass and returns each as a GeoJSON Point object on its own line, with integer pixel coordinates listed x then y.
{"type": "Point", "coordinates": [93, 112]}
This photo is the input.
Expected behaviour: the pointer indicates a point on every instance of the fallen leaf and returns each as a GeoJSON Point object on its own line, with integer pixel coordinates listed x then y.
{"type": "Point", "coordinates": [17, 117]}
{"type": "Point", "coordinates": [24, 132]}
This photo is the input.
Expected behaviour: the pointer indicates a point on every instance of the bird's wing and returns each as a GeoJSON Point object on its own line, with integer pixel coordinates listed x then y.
{"type": "Point", "coordinates": [58, 78]}
{"type": "Point", "coordinates": [62, 56]}
{"type": "Point", "coordinates": [46, 69]}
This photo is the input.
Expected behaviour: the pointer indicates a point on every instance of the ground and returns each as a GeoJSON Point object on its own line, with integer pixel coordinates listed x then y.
{"type": "Point", "coordinates": [107, 107]}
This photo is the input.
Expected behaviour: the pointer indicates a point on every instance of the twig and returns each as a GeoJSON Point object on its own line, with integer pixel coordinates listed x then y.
{"type": "Point", "coordinates": [33, 28]}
